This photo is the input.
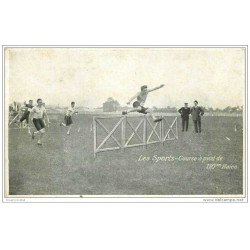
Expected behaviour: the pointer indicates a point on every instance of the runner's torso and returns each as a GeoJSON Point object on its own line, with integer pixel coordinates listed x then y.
{"type": "Point", "coordinates": [70, 111]}
{"type": "Point", "coordinates": [141, 98]}
{"type": "Point", "coordinates": [38, 112]}
{"type": "Point", "coordinates": [27, 108]}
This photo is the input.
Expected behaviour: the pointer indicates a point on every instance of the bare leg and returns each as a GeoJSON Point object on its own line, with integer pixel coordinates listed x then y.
{"type": "Point", "coordinates": [131, 110]}
{"type": "Point", "coordinates": [40, 137]}
{"type": "Point", "coordinates": [29, 131]}
{"type": "Point", "coordinates": [69, 129]}
{"type": "Point", "coordinates": [134, 110]}
{"type": "Point", "coordinates": [34, 133]}
{"type": "Point", "coordinates": [151, 114]}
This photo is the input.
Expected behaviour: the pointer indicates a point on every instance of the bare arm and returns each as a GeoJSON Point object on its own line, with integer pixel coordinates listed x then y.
{"type": "Point", "coordinates": [47, 117]}
{"type": "Point", "coordinates": [31, 115]}
{"type": "Point", "coordinates": [134, 97]}
{"type": "Point", "coordinates": [159, 87]}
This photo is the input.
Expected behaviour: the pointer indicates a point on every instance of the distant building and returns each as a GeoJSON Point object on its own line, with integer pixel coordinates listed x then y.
{"type": "Point", "coordinates": [111, 105]}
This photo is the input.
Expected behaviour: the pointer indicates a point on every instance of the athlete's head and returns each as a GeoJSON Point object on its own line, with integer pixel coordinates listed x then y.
{"type": "Point", "coordinates": [73, 104]}
{"type": "Point", "coordinates": [39, 102]}
{"type": "Point", "coordinates": [144, 88]}
{"type": "Point", "coordinates": [195, 103]}
{"type": "Point", "coordinates": [186, 104]}
{"type": "Point", "coordinates": [30, 102]}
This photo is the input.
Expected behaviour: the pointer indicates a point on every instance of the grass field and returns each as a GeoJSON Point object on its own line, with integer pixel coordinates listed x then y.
{"type": "Point", "coordinates": [65, 165]}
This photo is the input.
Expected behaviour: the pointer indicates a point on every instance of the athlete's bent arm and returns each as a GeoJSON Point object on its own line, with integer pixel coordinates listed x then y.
{"type": "Point", "coordinates": [47, 117]}
{"type": "Point", "coordinates": [31, 116]}
{"type": "Point", "coordinates": [134, 97]}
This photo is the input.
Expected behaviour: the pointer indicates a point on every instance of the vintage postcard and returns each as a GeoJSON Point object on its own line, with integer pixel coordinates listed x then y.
{"type": "Point", "coordinates": [142, 123]}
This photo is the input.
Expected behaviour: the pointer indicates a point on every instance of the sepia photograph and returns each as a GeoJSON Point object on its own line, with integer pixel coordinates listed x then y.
{"type": "Point", "coordinates": [125, 122]}
{"type": "Point", "coordinates": [124, 125]}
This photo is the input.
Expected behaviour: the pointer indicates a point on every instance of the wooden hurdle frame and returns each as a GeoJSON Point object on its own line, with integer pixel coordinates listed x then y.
{"type": "Point", "coordinates": [19, 125]}
{"type": "Point", "coordinates": [162, 136]}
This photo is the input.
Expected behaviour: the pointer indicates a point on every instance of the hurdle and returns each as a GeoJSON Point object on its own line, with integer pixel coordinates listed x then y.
{"type": "Point", "coordinates": [14, 119]}
{"type": "Point", "coordinates": [163, 131]}
{"type": "Point", "coordinates": [19, 125]}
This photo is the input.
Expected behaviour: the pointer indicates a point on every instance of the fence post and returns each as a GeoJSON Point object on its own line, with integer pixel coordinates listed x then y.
{"type": "Point", "coordinates": [13, 119]}
{"type": "Point", "coordinates": [176, 127]}
{"type": "Point", "coordinates": [161, 130]}
{"type": "Point", "coordinates": [95, 137]}
{"type": "Point", "coordinates": [145, 132]}
{"type": "Point", "coordinates": [124, 121]}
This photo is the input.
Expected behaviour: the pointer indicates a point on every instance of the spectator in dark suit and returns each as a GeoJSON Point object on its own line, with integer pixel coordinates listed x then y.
{"type": "Point", "coordinates": [184, 111]}
{"type": "Point", "coordinates": [196, 113]}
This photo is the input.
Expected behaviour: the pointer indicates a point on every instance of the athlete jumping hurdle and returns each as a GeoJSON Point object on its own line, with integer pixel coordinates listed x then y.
{"type": "Point", "coordinates": [138, 106]}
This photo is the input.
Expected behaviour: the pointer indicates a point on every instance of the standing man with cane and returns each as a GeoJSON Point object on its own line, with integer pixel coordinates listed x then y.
{"type": "Point", "coordinates": [184, 111]}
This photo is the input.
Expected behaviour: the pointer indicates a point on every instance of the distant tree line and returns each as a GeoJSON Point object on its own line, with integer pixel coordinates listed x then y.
{"type": "Point", "coordinates": [228, 109]}
{"type": "Point", "coordinates": [113, 105]}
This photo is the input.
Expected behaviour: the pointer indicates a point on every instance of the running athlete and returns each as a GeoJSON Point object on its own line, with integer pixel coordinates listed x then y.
{"type": "Point", "coordinates": [27, 108]}
{"type": "Point", "coordinates": [138, 106]}
{"type": "Point", "coordinates": [37, 113]}
{"type": "Point", "coordinates": [68, 117]}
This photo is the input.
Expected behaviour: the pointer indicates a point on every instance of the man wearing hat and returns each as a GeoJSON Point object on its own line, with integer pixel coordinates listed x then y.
{"type": "Point", "coordinates": [196, 113]}
{"type": "Point", "coordinates": [184, 111]}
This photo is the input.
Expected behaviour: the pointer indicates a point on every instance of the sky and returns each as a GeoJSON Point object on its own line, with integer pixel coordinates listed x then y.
{"type": "Point", "coordinates": [213, 76]}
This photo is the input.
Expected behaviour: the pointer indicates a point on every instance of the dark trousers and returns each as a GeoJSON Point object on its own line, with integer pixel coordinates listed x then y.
{"type": "Point", "coordinates": [185, 121]}
{"type": "Point", "coordinates": [197, 125]}
{"type": "Point", "coordinates": [25, 117]}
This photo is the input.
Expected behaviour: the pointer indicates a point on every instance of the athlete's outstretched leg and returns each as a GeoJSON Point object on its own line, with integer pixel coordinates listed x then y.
{"type": "Point", "coordinates": [62, 124]}
{"type": "Point", "coordinates": [34, 133]}
{"type": "Point", "coordinates": [130, 111]}
{"type": "Point", "coordinates": [69, 129]}
{"type": "Point", "coordinates": [42, 132]}
{"type": "Point", "coordinates": [153, 116]}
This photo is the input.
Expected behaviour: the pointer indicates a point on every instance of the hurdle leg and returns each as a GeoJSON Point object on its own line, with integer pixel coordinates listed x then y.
{"type": "Point", "coordinates": [176, 128]}
{"type": "Point", "coordinates": [145, 132]}
{"type": "Point", "coordinates": [124, 121]}
{"type": "Point", "coordinates": [13, 119]}
{"type": "Point", "coordinates": [94, 132]}
{"type": "Point", "coordinates": [161, 131]}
